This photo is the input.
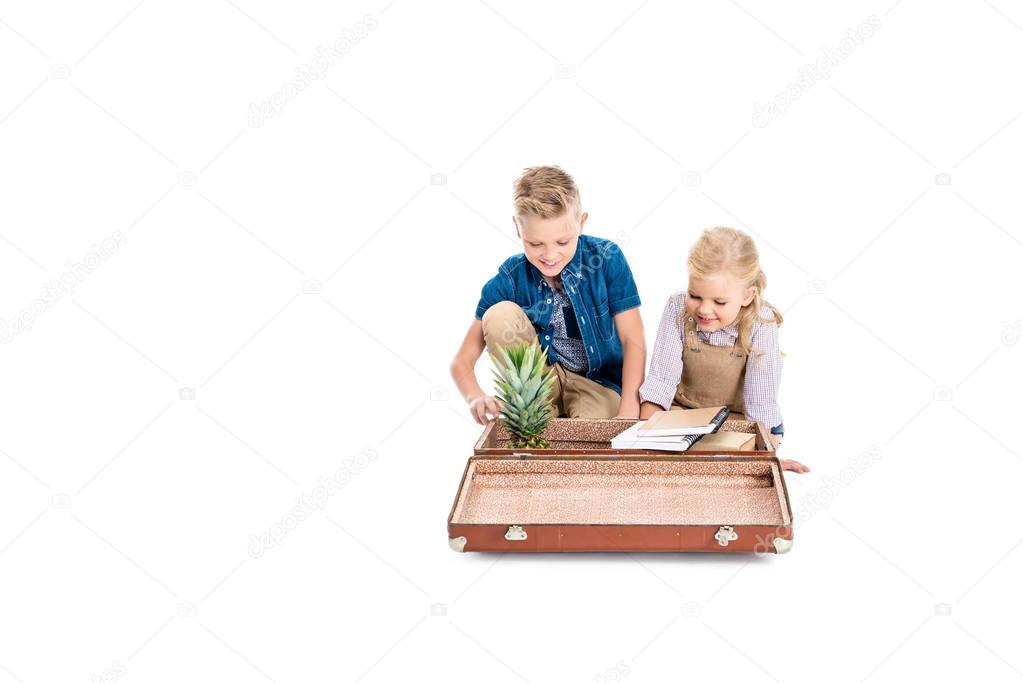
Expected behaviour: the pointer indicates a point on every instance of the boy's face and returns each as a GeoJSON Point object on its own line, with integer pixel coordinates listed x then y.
{"type": "Point", "coordinates": [715, 301]}
{"type": "Point", "coordinates": [550, 243]}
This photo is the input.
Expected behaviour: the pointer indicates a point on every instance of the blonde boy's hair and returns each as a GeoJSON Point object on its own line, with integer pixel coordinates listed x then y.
{"type": "Point", "coordinates": [727, 249]}
{"type": "Point", "coordinates": [545, 191]}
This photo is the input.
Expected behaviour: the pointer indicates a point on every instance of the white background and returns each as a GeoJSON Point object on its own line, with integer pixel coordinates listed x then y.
{"type": "Point", "coordinates": [310, 284]}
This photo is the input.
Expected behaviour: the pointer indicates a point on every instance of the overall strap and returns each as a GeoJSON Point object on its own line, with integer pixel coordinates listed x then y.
{"type": "Point", "coordinates": [690, 336]}
{"type": "Point", "coordinates": [736, 350]}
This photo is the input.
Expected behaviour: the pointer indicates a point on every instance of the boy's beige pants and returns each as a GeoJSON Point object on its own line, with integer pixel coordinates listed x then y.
{"type": "Point", "coordinates": [573, 395]}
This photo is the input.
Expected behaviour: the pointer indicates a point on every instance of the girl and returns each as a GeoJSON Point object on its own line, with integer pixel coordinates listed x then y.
{"type": "Point", "coordinates": [717, 343]}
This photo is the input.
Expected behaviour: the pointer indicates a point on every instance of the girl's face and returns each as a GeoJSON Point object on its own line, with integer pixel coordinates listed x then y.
{"type": "Point", "coordinates": [716, 301]}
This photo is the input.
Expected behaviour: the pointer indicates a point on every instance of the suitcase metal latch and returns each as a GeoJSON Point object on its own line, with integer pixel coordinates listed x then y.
{"type": "Point", "coordinates": [515, 533]}
{"type": "Point", "coordinates": [725, 535]}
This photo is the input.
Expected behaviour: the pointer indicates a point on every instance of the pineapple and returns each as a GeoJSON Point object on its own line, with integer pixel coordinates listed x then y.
{"type": "Point", "coordinates": [523, 383]}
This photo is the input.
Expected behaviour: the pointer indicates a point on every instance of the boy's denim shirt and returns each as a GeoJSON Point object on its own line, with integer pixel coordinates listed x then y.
{"type": "Point", "coordinates": [599, 284]}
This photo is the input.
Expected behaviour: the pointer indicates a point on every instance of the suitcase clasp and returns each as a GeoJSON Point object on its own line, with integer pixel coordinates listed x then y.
{"type": "Point", "coordinates": [515, 533]}
{"type": "Point", "coordinates": [725, 535]}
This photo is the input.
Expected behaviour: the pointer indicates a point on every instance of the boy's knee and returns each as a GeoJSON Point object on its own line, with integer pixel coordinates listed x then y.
{"type": "Point", "coordinates": [502, 310]}
{"type": "Point", "coordinates": [505, 323]}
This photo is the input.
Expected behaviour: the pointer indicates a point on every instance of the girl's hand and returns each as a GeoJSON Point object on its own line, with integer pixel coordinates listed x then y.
{"type": "Point", "coordinates": [794, 466]}
{"type": "Point", "coordinates": [627, 411]}
{"type": "Point", "coordinates": [788, 465]}
{"type": "Point", "coordinates": [647, 409]}
{"type": "Point", "coordinates": [484, 409]}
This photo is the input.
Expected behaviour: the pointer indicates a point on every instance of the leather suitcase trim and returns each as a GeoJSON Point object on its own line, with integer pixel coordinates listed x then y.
{"type": "Point", "coordinates": [621, 538]}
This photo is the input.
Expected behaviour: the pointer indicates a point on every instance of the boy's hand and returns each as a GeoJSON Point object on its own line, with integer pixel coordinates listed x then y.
{"type": "Point", "coordinates": [794, 466]}
{"type": "Point", "coordinates": [484, 409]}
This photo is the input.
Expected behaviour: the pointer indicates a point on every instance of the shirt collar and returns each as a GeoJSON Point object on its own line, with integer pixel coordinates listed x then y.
{"type": "Point", "coordinates": [574, 266]}
{"type": "Point", "coordinates": [731, 330]}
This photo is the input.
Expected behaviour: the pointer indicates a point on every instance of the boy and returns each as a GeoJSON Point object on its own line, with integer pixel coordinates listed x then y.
{"type": "Point", "coordinates": [571, 292]}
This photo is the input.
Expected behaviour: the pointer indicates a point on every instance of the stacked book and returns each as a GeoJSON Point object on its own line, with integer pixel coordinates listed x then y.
{"type": "Point", "coordinates": [678, 430]}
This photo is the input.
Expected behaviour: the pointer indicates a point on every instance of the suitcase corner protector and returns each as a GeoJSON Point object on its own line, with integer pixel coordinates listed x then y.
{"type": "Point", "coordinates": [782, 545]}
{"type": "Point", "coordinates": [457, 544]}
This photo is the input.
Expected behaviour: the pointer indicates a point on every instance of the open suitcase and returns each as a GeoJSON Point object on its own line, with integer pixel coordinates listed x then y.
{"type": "Point", "coordinates": [580, 495]}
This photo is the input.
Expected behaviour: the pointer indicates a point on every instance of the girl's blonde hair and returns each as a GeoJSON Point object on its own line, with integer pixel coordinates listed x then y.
{"type": "Point", "coordinates": [733, 251]}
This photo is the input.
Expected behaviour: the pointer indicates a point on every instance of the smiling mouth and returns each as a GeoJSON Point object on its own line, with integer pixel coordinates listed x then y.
{"type": "Point", "coordinates": [706, 320]}
{"type": "Point", "coordinates": [547, 264]}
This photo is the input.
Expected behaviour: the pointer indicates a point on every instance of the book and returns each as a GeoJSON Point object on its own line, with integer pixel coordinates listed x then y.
{"type": "Point", "coordinates": [630, 439]}
{"type": "Point", "coordinates": [727, 441]}
{"type": "Point", "coordinates": [683, 422]}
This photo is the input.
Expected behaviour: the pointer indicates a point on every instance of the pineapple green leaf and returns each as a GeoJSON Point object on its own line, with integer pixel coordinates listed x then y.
{"type": "Point", "coordinates": [523, 384]}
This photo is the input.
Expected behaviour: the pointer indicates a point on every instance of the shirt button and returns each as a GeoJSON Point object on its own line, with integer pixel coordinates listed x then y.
{"type": "Point", "coordinates": [548, 300]}
{"type": "Point", "coordinates": [546, 336]}
{"type": "Point", "coordinates": [582, 320]}
{"type": "Point", "coordinates": [690, 320]}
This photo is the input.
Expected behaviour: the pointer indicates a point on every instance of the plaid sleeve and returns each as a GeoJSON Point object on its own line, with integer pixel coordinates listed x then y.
{"type": "Point", "coordinates": [666, 361]}
{"type": "Point", "coordinates": [763, 376]}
